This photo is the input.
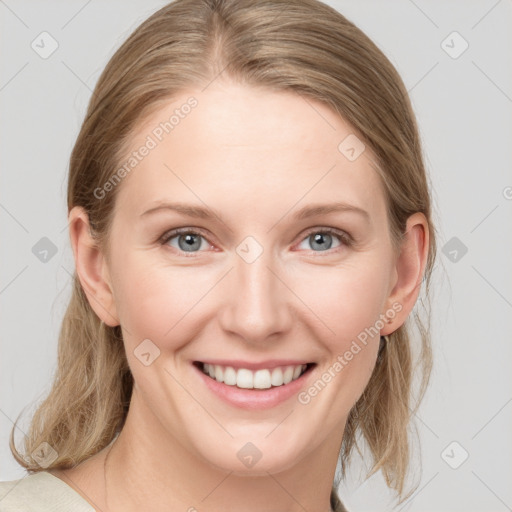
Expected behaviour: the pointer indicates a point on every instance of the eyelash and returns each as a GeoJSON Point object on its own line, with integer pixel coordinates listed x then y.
{"type": "Point", "coordinates": [343, 237]}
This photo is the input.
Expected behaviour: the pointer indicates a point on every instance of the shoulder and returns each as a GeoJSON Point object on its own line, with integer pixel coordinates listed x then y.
{"type": "Point", "coordinates": [40, 492]}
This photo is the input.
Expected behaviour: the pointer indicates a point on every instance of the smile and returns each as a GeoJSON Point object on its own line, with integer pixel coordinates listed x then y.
{"type": "Point", "coordinates": [244, 378]}
{"type": "Point", "coordinates": [254, 386]}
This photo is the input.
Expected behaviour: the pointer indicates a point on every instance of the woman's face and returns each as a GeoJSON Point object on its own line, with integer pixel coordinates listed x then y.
{"type": "Point", "coordinates": [284, 259]}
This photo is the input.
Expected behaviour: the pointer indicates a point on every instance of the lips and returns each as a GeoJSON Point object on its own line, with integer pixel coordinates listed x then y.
{"type": "Point", "coordinates": [248, 396]}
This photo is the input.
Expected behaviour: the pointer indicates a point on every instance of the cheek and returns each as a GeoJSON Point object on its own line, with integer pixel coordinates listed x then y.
{"type": "Point", "coordinates": [346, 299]}
{"type": "Point", "coordinates": [152, 299]}
{"type": "Point", "coordinates": [347, 303]}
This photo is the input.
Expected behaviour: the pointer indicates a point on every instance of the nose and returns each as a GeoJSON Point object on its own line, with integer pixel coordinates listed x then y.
{"type": "Point", "coordinates": [257, 305]}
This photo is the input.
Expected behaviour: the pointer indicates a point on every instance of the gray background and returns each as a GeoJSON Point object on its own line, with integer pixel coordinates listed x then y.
{"type": "Point", "coordinates": [463, 104]}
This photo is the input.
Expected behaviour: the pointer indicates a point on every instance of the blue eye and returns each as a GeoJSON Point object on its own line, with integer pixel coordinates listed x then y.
{"type": "Point", "coordinates": [190, 241]}
{"type": "Point", "coordinates": [323, 240]}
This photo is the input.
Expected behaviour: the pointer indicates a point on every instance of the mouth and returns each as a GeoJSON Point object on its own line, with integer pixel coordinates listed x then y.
{"type": "Point", "coordinates": [258, 379]}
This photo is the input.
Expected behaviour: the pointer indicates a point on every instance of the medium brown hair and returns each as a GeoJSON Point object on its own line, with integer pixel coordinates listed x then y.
{"type": "Point", "coordinates": [301, 46]}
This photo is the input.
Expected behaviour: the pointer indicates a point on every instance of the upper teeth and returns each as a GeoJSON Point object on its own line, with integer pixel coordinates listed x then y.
{"type": "Point", "coordinates": [260, 379]}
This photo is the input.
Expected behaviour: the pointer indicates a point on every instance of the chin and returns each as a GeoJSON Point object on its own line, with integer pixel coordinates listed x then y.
{"type": "Point", "coordinates": [253, 459]}
{"type": "Point", "coordinates": [261, 468]}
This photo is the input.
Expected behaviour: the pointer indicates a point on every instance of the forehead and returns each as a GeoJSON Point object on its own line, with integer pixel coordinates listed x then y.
{"type": "Point", "coordinates": [249, 148]}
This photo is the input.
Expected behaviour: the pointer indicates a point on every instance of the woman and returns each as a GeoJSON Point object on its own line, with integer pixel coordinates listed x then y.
{"type": "Point", "coordinates": [250, 220]}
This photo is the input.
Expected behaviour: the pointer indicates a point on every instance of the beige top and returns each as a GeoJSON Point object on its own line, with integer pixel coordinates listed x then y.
{"type": "Point", "coordinates": [41, 492]}
{"type": "Point", "coordinates": [44, 492]}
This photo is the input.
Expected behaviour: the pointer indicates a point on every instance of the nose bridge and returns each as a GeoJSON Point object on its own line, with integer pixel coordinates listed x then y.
{"type": "Point", "coordinates": [257, 304]}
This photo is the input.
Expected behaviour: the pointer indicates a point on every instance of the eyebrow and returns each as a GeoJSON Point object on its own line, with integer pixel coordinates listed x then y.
{"type": "Point", "coordinates": [304, 213]}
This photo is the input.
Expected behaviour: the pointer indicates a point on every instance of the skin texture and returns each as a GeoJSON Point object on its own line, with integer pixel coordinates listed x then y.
{"type": "Point", "coordinates": [256, 157]}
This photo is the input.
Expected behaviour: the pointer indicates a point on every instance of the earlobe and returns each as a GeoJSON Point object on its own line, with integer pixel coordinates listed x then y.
{"type": "Point", "coordinates": [91, 267]}
{"type": "Point", "coordinates": [410, 266]}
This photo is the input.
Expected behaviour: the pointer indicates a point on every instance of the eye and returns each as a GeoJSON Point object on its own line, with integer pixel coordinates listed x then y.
{"type": "Point", "coordinates": [322, 239]}
{"type": "Point", "coordinates": [187, 240]}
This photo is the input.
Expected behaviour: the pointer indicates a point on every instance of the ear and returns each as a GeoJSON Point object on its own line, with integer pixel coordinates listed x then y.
{"type": "Point", "coordinates": [409, 269]}
{"type": "Point", "coordinates": [91, 267]}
